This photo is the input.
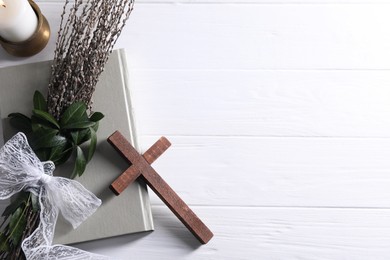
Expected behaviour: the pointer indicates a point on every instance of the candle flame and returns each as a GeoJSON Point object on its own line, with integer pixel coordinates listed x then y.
{"type": "Point", "coordinates": [2, 4]}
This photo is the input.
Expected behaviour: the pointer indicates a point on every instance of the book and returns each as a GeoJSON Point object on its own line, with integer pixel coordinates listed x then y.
{"type": "Point", "coordinates": [119, 215]}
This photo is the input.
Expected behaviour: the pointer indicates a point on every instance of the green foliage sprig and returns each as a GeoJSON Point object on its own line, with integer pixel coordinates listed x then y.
{"type": "Point", "coordinates": [57, 140]}
{"type": "Point", "coordinates": [54, 140]}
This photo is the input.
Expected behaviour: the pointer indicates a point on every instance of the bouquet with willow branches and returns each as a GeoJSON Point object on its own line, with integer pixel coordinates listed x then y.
{"type": "Point", "coordinates": [64, 120]}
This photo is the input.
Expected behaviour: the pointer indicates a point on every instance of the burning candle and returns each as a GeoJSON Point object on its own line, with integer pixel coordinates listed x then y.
{"type": "Point", "coordinates": [18, 21]}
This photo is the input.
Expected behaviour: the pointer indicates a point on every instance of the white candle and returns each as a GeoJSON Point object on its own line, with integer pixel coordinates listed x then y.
{"type": "Point", "coordinates": [18, 21]}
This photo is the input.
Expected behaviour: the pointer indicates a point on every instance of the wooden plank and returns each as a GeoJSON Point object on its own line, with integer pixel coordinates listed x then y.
{"type": "Point", "coordinates": [327, 172]}
{"type": "Point", "coordinates": [284, 36]}
{"type": "Point", "coordinates": [277, 2]}
{"type": "Point", "coordinates": [263, 103]}
{"type": "Point", "coordinates": [262, 233]}
{"type": "Point", "coordinates": [268, 36]}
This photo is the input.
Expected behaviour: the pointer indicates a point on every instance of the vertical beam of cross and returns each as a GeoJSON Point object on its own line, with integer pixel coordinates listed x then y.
{"type": "Point", "coordinates": [140, 166]}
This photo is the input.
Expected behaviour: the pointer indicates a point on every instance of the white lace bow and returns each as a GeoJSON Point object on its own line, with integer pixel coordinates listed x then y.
{"type": "Point", "coordinates": [20, 169]}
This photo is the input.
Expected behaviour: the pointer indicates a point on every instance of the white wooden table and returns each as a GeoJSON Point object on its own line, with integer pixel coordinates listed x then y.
{"type": "Point", "coordinates": [279, 115]}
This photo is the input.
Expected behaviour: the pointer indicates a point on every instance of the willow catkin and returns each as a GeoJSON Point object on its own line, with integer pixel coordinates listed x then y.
{"type": "Point", "coordinates": [88, 32]}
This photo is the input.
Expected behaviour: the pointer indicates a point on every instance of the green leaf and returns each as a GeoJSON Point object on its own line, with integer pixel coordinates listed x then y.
{"type": "Point", "coordinates": [43, 154]}
{"type": "Point", "coordinates": [76, 137]}
{"type": "Point", "coordinates": [43, 138]}
{"type": "Point", "coordinates": [61, 153]}
{"type": "Point", "coordinates": [96, 126]}
{"type": "Point", "coordinates": [57, 140]}
{"type": "Point", "coordinates": [17, 224]}
{"type": "Point", "coordinates": [92, 145]}
{"type": "Point", "coordinates": [20, 122]}
{"type": "Point", "coordinates": [80, 164]}
{"type": "Point", "coordinates": [86, 133]}
{"type": "Point", "coordinates": [96, 116]}
{"type": "Point", "coordinates": [38, 124]}
{"type": "Point", "coordinates": [81, 136]}
{"type": "Point", "coordinates": [73, 113]}
{"type": "Point", "coordinates": [63, 157]}
{"type": "Point", "coordinates": [4, 246]}
{"type": "Point", "coordinates": [19, 200]}
{"type": "Point", "coordinates": [39, 101]}
{"type": "Point", "coordinates": [46, 117]}
{"type": "Point", "coordinates": [35, 203]}
{"type": "Point", "coordinates": [59, 148]}
{"type": "Point", "coordinates": [79, 125]}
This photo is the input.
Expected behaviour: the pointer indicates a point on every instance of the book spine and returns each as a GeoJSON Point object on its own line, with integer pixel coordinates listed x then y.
{"type": "Point", "coordinates": [146, 208]}
{"type": "Point", "coordinates": [1, 131]}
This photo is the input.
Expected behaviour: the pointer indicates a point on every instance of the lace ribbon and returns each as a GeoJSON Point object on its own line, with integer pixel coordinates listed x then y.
{"type": "Point", "coordinates": [20, 169]}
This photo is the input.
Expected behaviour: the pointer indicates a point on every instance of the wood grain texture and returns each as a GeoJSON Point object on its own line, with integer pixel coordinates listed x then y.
{"type": "Point", "coordinates": [262, 233]}
{"type": "Point", "coordinates": [159, 186]}
{"type": "Point", "coordinates": [131, 156]}
{"type": "Point", "coordinates": [314, 103]}
{"type": "Point", "coordinates": [302, 172]}
{"type": "Point", "coordinates": [193, 37]}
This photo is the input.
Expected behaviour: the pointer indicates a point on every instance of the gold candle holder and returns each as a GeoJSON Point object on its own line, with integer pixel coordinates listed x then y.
{"type": "Point", "coordinates": [35, 43]}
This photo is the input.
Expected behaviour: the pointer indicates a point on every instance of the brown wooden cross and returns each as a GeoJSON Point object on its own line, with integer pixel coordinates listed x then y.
{"type": "Point", "coordinates": [140, 167]}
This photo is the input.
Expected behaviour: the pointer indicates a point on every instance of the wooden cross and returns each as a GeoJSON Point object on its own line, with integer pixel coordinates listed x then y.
{"type": "Point", "coordinates": [140, 167]}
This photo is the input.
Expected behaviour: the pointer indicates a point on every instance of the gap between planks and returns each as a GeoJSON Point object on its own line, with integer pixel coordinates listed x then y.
{"type": "Point", "coordinates": [257, 2]}
{"type": "Point", "coordinates": [204, 206]}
